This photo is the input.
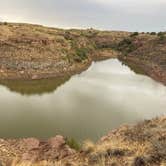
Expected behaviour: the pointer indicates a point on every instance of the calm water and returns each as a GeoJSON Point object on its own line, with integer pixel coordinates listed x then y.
{"type": "Point", "coordinates": [87, 105]}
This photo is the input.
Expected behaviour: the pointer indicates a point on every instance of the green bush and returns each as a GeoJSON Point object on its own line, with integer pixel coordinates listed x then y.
{"type": "Point", "coordinates": [161, 35]}
{"type": "Point", "coordinates": [153, 33]}
{"type": "Point", "coordinates": [68, 36]}
{"type": "Point", "coordinates": [90, 33]}
{"type": "Point", "coordinates": [81, 54]}
{"type": "Point", "coordinates": [126, 46]}
{"type": "Point", "coordinates": [73, 143]}
{"type": "Point", "coordinates": [125, 42]}
{"type": "Point", "coordinates": [134, 34]}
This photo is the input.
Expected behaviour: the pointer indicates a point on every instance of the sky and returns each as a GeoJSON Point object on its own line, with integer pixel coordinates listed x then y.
{"type": "Point", "coordinates": [126, 15]}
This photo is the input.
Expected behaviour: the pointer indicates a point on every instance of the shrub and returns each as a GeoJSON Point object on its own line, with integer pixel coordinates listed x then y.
{"type": "Point", "coordinates": [68, 36]}
{"type": "Point", "coordinates": [73, 143]}
{"type": "Point", "coordinates": [5, 23]}
{"type": "Point", "coordinates": [81, 54]}
{"type": "Point", "coordinates": [161, 36]}
{"type": "Point", "coordinates": [126, 46]}
{"type": "Point", "coordinates": [153, 33]}
{"type": "Point", "coordinates": [134, 34]}
{"type": "Point", "coordinates": [125, 42]}
{"type": "Point", "coordinates": [104, 45]}
{"type": "Point", "coordinates": [160, 33]}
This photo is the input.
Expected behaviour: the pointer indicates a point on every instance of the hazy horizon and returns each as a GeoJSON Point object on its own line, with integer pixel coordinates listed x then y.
{"type": "Point", "coordinates": [125, 15]}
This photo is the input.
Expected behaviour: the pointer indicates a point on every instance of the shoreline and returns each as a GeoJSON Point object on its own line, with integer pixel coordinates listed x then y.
{"type": "Point", "coordinates": [148, 68]}
{"type": "Point", "coordinates": [128, 145]}
{"type": "Point", "coordinates": [66, 70]}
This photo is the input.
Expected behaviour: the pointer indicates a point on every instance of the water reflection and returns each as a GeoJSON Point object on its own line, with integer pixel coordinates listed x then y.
{"type": "Point", "coordinates": [90, 104]}
{"type": "Point", "coordinates": [34, 86]}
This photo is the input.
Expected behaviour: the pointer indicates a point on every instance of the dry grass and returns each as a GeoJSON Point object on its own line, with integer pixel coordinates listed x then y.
{"type": "Point", "coordinates": [42, 163]}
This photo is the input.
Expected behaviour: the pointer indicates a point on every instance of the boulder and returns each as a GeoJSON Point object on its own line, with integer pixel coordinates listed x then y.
{"type": "Point", "coordinates": [30, 143]}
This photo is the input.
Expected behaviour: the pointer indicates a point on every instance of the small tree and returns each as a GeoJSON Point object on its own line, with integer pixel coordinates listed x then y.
{"type": "Point", "coordinates": [161, 35]}
{"type": "Point", "coordinates": [5, 23]}
{"type": "Point", "coordinates": [153, 33]}
{"type": "Point", "coordinates": [134, 34]}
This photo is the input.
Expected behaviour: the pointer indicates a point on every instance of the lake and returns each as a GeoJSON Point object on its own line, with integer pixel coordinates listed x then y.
{"type": "Point", "coordinates": [87, 105]}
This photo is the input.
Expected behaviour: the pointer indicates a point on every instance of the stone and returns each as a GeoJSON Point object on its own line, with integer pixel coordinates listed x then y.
{"type": "Point", "coordinates": [57, 142]}
{"type": "Point", "coordinates": [34, 77]}
{"type": "Point", "coordinates": [139, 161]}
{"type": "Point", "coordinates": [104, 138]}
{"type": "Point", "coordinates": [30, 157]}
{"type": "Point", "coordinates": [22, 72]}
{"type": "Point", "coordinates": [30, 143]}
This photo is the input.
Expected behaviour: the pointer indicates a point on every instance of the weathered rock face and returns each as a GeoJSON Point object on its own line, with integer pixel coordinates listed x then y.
{"type": "Point", "coordinates": [32, 149]}
{"type": "Point", "coordinates": [29, 143]}
{"type": "Point", "coordinates": [54, 148]}
{"type": "Point", "coordinates": [56, 142]}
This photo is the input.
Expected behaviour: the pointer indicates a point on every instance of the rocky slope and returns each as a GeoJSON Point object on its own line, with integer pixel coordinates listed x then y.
{"type": "Point", "coordinates": [34, 51]}
{"type": "Point", "coordinates": [145, 53]}
{"type": "Point", "coordinates": [140, 145]}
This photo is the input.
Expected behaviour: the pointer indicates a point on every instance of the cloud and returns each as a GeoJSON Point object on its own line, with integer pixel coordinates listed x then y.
{"type": "Point", "coordinates": [128, 2]}
{"type": "Point", "coordinates": [131, 15]}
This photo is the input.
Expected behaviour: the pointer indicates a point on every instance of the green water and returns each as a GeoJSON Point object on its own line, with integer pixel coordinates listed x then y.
{"type": "Point", "coordinates": [87, 105]}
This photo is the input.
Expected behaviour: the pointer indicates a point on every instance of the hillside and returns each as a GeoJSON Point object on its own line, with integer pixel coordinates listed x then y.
{"type": "Point", "coordinates": [145, 53]}
{"type": "Point", "coordinates": [34, 51]}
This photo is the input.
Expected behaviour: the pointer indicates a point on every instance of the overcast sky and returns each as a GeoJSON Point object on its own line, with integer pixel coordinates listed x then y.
{"type": "Point", "coordinates": [130, 15]}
